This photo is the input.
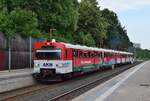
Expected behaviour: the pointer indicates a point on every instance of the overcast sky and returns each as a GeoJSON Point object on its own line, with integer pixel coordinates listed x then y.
{"type": "Point", "coordinates": [135, 16]}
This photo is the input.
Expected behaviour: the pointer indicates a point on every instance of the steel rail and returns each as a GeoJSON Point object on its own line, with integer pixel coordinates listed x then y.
{"type": "Point", "coordinates": [90, 83]}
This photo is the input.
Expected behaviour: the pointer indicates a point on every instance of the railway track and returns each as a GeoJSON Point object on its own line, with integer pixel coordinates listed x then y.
{"type": "Point", "coordinates": [67, 94]}
{"type": "Point", "coordinates": [83, 88]}
{"type": "Point", "coordinates": [9, 96]}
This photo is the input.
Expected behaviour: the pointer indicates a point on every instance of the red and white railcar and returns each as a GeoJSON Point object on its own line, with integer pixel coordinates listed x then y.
{"type": "Point", "coordinates": [56, 60]}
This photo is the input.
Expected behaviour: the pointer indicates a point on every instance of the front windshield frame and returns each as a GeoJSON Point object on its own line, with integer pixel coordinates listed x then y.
{"type": "Point", "coordinates": [45, 54]}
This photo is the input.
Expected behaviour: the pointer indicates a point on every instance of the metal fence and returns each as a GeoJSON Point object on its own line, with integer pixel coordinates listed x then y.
{"type": "Point", "coordinates": [20, 55]}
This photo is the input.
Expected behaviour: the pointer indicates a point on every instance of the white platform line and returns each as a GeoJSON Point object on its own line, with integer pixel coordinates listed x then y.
{"type": "Point", "coordinates": [113, 88]}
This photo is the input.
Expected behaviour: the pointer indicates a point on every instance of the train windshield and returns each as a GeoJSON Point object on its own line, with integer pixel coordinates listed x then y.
{"type": "Point", "coordinates": [48, 54]}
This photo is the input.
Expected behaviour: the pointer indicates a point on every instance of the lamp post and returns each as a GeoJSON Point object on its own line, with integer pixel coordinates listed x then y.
{"type": "Point", "coordinates": [51, 33]}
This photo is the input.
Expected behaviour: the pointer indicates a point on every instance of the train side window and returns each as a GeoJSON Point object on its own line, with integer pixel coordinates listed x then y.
{"type": "Point", "coordinates": [99, 55]}
{"type": "Point", "coordinates": [96, 54]}
{"type": "Point", "coordinates": [75, 53]}
{"type": "Point", "coordinates": [106, 54]}
{"type": "Point", "coordinates": [92, 54]}
{"type": "Point", "coordinates": [89, 54]}
{"type": "Point", "coordinates": [110, 54]}
{"type": "Point", "coordinates": [80, 54]}
{"type": "Point", "coordinates": [85, 54]}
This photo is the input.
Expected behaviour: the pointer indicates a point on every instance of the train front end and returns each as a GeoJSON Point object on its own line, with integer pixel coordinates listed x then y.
{"type": "Point", "coordinates": [49, 61]}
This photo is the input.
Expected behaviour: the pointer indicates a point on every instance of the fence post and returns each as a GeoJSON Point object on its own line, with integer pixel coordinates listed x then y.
{"type": "Point", "coordinates": [30, 39]}
{"type": "Point", "coordinates": [9, 60]}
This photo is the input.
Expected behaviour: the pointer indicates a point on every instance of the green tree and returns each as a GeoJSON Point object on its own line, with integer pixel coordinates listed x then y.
{"type": "Point", "coordinates": [91, 21]}
{"type": "Point", "coordinates": [18, 21]}
{"type": "Point", "coordinates": [92, 26]}
{"type": "Point", "coordinates": [85, 39]}
{"type": "Point", "coordinates": [5, 24]}
{"type": "Point", "coordinates": [24, 22]}
{"type": "Point", "coordinates": [58, 14]}
{"type": "Point", "coordinates": [116, 34]}
{"type": "Point", "coordinates": [143, 54]}
{"type": "Point", "coordinates": [124, 39]}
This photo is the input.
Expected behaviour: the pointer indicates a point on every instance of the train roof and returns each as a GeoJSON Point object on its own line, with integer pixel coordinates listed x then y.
{"type": "Point", "coordinates": [68, 45]}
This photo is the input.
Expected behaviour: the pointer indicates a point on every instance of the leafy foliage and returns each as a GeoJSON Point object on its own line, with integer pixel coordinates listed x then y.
{"type": "Point", "coordinates": [4, 24]}
{"type": "Point", "coordinates": [83, 23]}
{"type": "Point", "coordinates": [23, 22]}
{"type": "Point", "coordinates": [57, 14]}
{"type": "Point", "coordinates": [18, 21]}
{"type": "Point", "coordinates": [91, 21]}
{"type": "Point", "coordinates": [116, 34]}
{"type": "Point", "coordinates": [142, 54]}
{"type": "Point", "coordinates": [85, 39]}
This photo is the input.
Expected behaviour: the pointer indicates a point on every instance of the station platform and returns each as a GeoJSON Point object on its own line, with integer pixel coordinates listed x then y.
{"type": "Point", "coordinates": [131, 85]}
{"type": "Point", "coordinates": [15, 79]}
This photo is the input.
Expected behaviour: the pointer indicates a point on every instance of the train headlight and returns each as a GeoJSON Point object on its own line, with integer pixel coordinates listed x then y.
{"type": "Point", "coordinates": [59, 65]}
{"type": "Point", "coordinates": [36, 65]}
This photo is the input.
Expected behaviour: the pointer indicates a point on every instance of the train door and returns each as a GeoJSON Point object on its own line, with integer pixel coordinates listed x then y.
{"type": "Point", "coordinates": [103, 57]}
{"type": "Point", "coordinates": [92, 57]}
{"type": "Point", "coordinates": [68, 54]}
{"type": "Point", "coordinates": [100, 56]}
{"type": "Point", "coordinates": [75, 58]}
{"type": "Point", "coordinates": [97, 58]}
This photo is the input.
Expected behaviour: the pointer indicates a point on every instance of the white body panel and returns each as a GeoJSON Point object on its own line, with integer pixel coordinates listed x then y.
{"type": "Point", "coordinates": [118, 60]}
{"type": "Point", "coordinates": [127, 59]}
{"type": "Point", "coordinates": [60, 66]}
{"type": "Point", "coordinates": [132, 59]}
{"type": "Point", "coordinates": [123, 60]}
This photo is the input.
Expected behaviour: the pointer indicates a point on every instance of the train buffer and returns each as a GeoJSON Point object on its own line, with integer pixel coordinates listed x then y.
{"type": "Point", "coordinates": [131, 85]}
{"type": "Point", "coordinates": [15, 79]}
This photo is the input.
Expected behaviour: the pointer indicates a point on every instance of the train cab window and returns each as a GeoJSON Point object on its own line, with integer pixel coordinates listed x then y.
{"type": "Point", "coordinates": [49, 54]}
